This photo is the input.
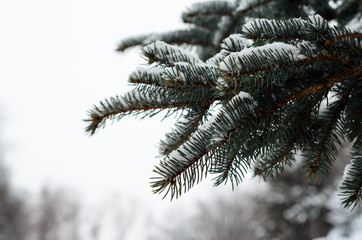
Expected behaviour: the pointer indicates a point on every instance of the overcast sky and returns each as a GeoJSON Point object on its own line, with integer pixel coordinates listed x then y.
{"type": "Point", "coordinates": [58, 59]}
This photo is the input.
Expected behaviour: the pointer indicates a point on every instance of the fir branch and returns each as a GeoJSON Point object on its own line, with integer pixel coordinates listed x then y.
{"type": "Point", "coordinates": [235, 43]}
{"type": "Point", "coordinates": [325, 149]}
{"type": "Point", "coordinates": [253, 64]}
{"type": "Point", "coordinates": [148, 76]}
{"type": "Point", "coordinates": [265, 90]}
{"type": "Point", "coordinates": [263, 31]}
{"type": "Point", "coordinates": [221, 8]}
{"type": "Point", "coordinates": [134, 41]}
{"type": "Point", "coordinates": [195, 152]}
{"type": "Point", "coordinates": [284, 123]}
{"type": "Point", "coordinates": [99, 115]}
{"type": "Point", "coordinates": [276, 160]}
{"type": "Point", "coordinates": [183, 168]}
{"type": "Point", "coordinates": [315, 29]}
{"type": "Point", "coordinates": [353, 198]}
{"type": "Point", "coordinates": [275, 106]}
{"type": "Point", "coordinates": [232, 154]}
{"type": "Point", "coordinates": [351, 185]}
{"type": "Point", "coordinates": [260, 59]}
{"type": "Point", "coordinates": [183, 130]}
{"type": "Point", "coordinates": [237, 110]}
{"type": "Point", "coordinates": [346, 35]}
{"type": "Point", "coordinates": [323, 85]}
{"type": "Point", "coordinates": [179, 76]}
{"type": "Point", "coordinates": [200, 75]}
{"type": "Point", "coordinates": [193, 37]}
{"type": "Point", "coordinates": [327, 57]}
{"type": "Point", "coordinates": [232, 158]}
{"type": "Point", "coordinates": [147, 101]}
{"type": "Point", "coordinates": [348, 39]}
{"type": "Point", "coordinates": [233, 168]}
{"type": "Point", "coordinates": [165, 54]}
{"type": "Point", "coordinates": [310, 90]}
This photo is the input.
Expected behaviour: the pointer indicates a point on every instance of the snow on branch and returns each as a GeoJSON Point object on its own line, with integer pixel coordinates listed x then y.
{"type": "Point", "coordinates": [183, 162]}
{"type": "Point", "coordinates": [269, 54]}
{"type": "Point", "coordinates": [163, 53]}
{"type": "Point", "coordinates": [267, 65]}
{"type": "Point", "coordinates": [235, 43]}
{"type": "Point", "coordinates": [146, 76]}
{"type": "Point", "coordinates": [201, 75]}
{"type": "Point", "coordinates": [187, 124]}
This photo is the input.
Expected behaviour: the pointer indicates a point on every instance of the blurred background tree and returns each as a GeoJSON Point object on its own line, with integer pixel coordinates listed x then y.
{"type": "Point", "coordinates": [14, 216]}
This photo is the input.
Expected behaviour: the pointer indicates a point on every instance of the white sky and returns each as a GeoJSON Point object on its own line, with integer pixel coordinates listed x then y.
{"type": "Point", "coordinates": [57, 59]}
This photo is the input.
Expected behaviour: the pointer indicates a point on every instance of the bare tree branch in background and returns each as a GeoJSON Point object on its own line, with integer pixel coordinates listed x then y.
{"type": "Point", "coordinates": [13, 213]}
{"type": "Point", "coordinates": [111, 219]}
{"type": "Point", "coordinates": [13, 209]}
{"type": "Point", "coordinates": [56, 215]}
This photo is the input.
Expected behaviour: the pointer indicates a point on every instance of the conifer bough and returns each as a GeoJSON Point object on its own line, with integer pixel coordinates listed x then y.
{"type": "Point", "coordinates": [252, 92]}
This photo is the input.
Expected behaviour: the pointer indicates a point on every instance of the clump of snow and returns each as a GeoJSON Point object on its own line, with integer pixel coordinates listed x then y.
{"type": "Point", "coordinates": [242, 95]}
{"type": "Point", "coordinates": [208, 123]}
{"type": "Point", "coordinates": [316, 19]}
{"type": "Point", "coordinates": [235, 60]}
{"type": "Point", "coordinates": [181, 153]}
{"type": "Point", "coordinates": [214, 61]}
{"type": "Point", "coordinates": [182, 64]}
{"type": "Point", "coordinates": [141, 70]}
{"type": "Point", "coordinates": [229, 119]}
{"type": "Point", "coordinates": [236, 40]}
{"type": "Point", "coordinates": [346, 171]}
